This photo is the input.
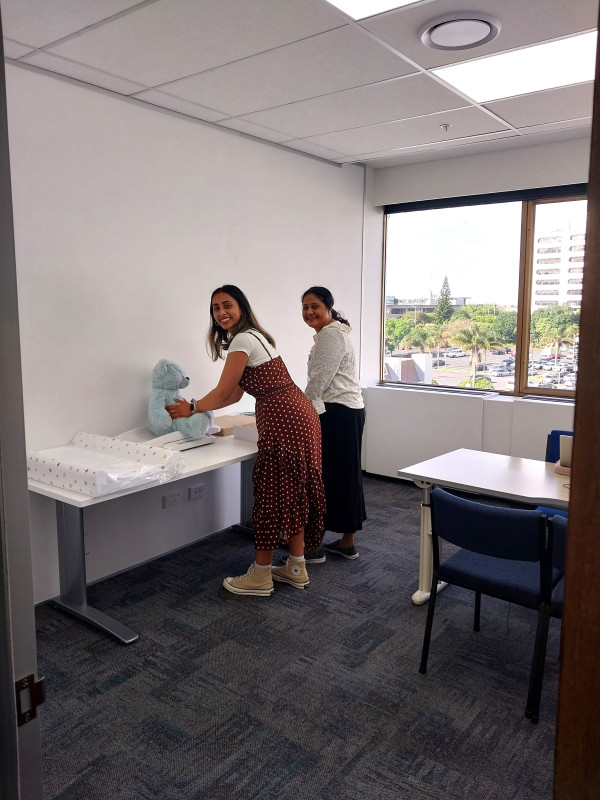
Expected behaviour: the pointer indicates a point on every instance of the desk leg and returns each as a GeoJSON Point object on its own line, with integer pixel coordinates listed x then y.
{"type": "Point", "coordinates": [425, 553]}
{"type": "Point", "coordinates": [71, 566]}
{"type": "Point", "coordinates": [246, 496]}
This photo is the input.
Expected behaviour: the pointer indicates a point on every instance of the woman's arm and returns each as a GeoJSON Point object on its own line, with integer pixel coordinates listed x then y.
{"type": "Point", "coordinates": [226, 392]}
{"type": "Point", "coordinates": [324, 364]}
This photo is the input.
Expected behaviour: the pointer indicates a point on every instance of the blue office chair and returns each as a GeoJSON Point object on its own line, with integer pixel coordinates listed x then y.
{"type": "Point", "coordinates": [504, 554]}
{"type": "Point", "coordinates": [552, 455]}
{"type": "Point", "coordinates": [559, 548]}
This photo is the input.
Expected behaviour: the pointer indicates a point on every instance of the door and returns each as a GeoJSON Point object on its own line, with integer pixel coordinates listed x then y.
{"type": "Point", "coordinates": [20, 752]}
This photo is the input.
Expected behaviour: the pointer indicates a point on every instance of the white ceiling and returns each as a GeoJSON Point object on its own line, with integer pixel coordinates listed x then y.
{"type": "Point", "coordinates": [303, 74]}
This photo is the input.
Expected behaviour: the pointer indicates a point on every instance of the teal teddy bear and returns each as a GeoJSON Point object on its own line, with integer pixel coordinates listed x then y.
{"type": "Point", "coordinates": [167, 378]}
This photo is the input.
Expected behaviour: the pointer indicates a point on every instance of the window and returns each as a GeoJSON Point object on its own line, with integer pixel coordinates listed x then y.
{"type": "Point", "coordinates": [470, 301]}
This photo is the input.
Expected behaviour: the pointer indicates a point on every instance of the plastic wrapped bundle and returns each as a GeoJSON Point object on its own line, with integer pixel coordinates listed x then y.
{"type": "Point", "coordinates": [98, 465]}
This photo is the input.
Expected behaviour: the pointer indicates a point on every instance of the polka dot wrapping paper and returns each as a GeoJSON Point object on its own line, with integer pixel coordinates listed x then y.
{"type": "Point", "coordinates": [98, 465]}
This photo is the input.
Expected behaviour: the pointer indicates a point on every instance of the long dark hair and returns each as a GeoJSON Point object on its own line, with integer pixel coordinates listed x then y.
{"type": "Point", "coordinates": [326, 298]}
{"type": "Point", "coordinates": [220, 339]}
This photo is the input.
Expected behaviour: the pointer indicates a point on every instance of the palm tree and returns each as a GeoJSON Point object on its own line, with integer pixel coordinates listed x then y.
{"type": "Point", "coordinates": [478, 339]}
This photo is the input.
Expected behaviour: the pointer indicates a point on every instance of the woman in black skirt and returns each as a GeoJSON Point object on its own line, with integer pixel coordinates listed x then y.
{"type": "Point", "coordinates": [335, 393]}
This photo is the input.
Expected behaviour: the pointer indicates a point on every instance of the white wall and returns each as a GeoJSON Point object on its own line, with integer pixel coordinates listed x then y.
{"type": "Point", "coordinates": [555, 164]}
{"type": "Point", "coordinates": [407, 426]}
{"type": "Point", "coordinates": [125, 220]}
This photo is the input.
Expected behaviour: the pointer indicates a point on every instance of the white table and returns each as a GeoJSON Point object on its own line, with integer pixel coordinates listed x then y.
{"type": "Point", "coordinates": [70, 507]}
{"type": "Point", "coordinates": [522, 480]}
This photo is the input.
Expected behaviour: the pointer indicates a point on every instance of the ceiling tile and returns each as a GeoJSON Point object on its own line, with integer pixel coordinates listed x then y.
{"type": "Point", "coordinates": [95, 77]}
{"type": "Point", "coordinates": [524, 22]}
{"type": "Point", "coordinates": [464, 122]}
{"type": "Point", "coordinates": [402, 98]}
{"type": "Point", "coordinates": [164, 100]}
{"type": "Point", "coordinates": [448, 149]}
{"type": "Point", "coordinates": [568, 102]}
{"type": "Point", "coordinates": [322, 64]}
{"type": "Point", "coordinates": [192, 36]}
{"type": "Point", "coordinates": [39, 22]}
{"type": "Point", "coordinates": [301, 73]}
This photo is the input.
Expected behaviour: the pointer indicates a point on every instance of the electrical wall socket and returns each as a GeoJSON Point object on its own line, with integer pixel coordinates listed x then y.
{"type": "Point", "coordinates": [195, 492]}
{"type": "Point", "coordinates": [171, 499]}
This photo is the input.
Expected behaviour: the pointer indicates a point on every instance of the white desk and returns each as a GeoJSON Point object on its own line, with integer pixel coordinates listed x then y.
{"type": "Point", "coordinates": [522, 480]}
{"type": "Point", "coordinates": [70, 506]}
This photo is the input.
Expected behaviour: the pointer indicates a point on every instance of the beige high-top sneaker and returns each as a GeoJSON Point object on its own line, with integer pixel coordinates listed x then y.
{"type": "Point", "coordinates": [292, 572]}
{"type": "Point", "coordinates": [255, 582]}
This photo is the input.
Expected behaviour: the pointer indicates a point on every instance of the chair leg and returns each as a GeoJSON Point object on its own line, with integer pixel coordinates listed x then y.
{"type": "Point", "coordinates": [477, 611]}
{"type": "Point", "coordinates": [428, 625]}
{"type": "Point", "coordinates": [534, 695]}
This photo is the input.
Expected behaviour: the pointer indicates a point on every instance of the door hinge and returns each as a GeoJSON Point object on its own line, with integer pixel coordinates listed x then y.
{"type": "Point", "coordinates": [36, 696]}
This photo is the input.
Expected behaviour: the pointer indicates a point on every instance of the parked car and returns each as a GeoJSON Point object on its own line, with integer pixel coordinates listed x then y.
{"type": "Point", "coordinates": [501, 372]}
{"type": "Point", "coordinates": [455, 353]}
{"type": "Point", "coordinates": [481, 367]}
{"type": "Point", "coordinates": [498, 352]}
{"type": "Point", "coordinates": [438, 362]}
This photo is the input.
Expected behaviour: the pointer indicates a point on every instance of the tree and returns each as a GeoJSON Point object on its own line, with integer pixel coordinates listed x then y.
{"type": "Point", "coordinates": [505, 327]}
{"type": "Point", "coordinates": [478, 339]}
{"type": "Point", "coordinates": [395, 331]}
{"type": "Point", "coordinates": [554, 326]}
{"type": "Point", "coordinates": [417, 337]}
{"type": "Point", "coordinates": [436, 337]}
{"type": "Point", "coordinates": [444, 309]}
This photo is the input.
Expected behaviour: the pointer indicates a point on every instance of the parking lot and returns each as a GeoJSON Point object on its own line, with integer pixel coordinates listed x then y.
{"type": "Point", "coordinates": [451, 368]}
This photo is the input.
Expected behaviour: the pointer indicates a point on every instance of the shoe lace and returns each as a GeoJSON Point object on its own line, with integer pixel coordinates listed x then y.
{"type": "Point", "coordinates": [247, 575]}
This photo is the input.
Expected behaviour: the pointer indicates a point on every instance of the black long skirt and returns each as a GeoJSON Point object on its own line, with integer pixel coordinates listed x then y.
{"type": "Point", "coordinates": [341, 434]}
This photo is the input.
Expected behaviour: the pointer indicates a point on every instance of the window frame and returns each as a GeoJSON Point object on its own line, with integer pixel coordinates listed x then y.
{"type": "Point", "coordinates": [529, 199]}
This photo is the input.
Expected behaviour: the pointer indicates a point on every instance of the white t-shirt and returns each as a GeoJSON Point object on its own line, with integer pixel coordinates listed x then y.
{"type": "Point", "coordinates": [252, 343]}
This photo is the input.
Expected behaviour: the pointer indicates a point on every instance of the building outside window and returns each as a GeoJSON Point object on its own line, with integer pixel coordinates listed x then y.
{"type": "Point", "coordinates": [471, 300]}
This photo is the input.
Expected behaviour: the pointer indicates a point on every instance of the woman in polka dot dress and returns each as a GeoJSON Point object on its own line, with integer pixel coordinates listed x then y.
{"type": "Point", "coordinates": [289, 499]}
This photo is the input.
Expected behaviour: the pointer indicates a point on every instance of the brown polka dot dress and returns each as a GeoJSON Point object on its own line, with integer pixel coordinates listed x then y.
{"type": "Point", "coordinates": [288, 487]}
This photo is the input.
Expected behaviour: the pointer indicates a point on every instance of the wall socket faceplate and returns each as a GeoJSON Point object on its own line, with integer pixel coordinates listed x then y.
{"type": "Point", "coordinates": [195, 492]}
{"type": "Point", "coordinates": [171, 499]}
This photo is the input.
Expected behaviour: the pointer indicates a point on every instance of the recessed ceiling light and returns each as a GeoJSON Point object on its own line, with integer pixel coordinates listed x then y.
{"type": "Point", "coordinates": [359, 9]}
{"type": "Point", "coordinates": [460, 31]}
{"type": "Point", "coordinates": [531, 69]}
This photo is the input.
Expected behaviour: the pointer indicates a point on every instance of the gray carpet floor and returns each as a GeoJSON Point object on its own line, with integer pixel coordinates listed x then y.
{"type": "Point", "coordinates": [311, 695]}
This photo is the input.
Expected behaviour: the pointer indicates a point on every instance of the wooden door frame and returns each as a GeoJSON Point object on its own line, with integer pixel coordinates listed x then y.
{"type": "Point", "coordinates": [577, 757]}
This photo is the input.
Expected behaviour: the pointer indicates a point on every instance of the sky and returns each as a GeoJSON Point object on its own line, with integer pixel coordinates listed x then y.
{"type": "Point", "coordinates": [477, 247]}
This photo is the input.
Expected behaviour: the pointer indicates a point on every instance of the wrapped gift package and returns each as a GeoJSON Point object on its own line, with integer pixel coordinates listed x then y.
{"type": "Point", "coordinates": [98, 465]}
{"type": "Point", "coordinates": [245, 432]}
{"type": "Point", "coordinates": [228, 423]}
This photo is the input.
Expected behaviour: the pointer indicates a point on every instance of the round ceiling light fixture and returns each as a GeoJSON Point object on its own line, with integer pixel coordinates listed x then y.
{"type": "Point", "coordinates": [460, 31]}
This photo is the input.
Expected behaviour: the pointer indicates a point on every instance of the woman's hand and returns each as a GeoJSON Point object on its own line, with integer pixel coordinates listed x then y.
{"type": "Point", "coordinates": [181, 409]}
